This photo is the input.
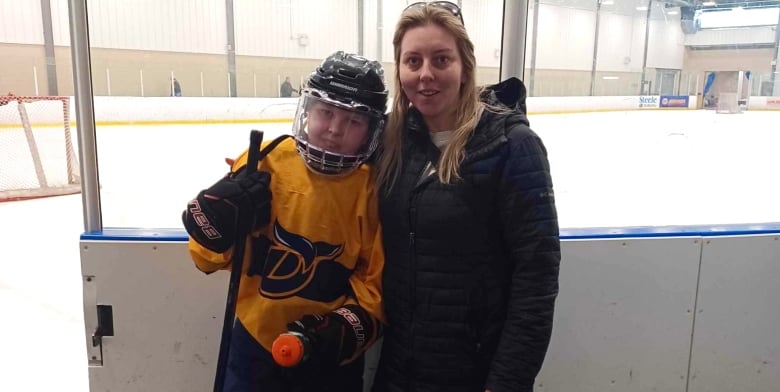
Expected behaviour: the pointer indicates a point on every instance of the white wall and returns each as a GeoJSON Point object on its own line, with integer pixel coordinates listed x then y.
{"type": "Point", "coordinates": [20, 22]}
{"type": "Point", "coordinates": [565, 38]}
{"type": "Point", "coordinates": [171, 25]}
{"type": "Point", "coordinates": [666, 48]}
{"type": "Point", "coordinates": [274, 29]}
{"type": "Point", "coordinates": [59, 22]}
{"type": "Point", "coordinates": [295, 28]}
{"type": "Point", "coordinates": [750, 35]}
{"type": "Point", "coordinates": [484, 22]}
{"type": "Point", "coordinates": [616, 48]}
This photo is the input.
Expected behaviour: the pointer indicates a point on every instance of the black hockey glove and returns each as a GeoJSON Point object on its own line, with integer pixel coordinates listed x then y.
{"type": "Point", "coordinates": [337, 336]}
{"type": "Point", "coordinates": [236, 204]}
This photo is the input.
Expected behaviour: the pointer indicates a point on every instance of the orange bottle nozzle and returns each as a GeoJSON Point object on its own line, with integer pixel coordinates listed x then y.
{"type": "Point", "coordinates": [288, 350]}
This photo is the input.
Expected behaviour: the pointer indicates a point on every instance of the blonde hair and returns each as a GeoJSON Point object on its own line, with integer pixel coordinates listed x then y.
{"type": "Point", "coordinates": [466, 113]}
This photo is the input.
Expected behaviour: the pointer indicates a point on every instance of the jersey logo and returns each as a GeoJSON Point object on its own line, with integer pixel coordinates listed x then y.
{"type": "Point", "coordinates": [292, 262]}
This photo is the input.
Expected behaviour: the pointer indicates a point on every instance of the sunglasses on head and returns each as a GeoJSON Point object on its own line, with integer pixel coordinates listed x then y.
{"type": "Point", "coordinates": [445, 5]}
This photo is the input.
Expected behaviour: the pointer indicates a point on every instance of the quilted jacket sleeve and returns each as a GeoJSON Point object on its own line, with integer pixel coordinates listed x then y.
{"type": "Point", "coordinates": [530, 234]}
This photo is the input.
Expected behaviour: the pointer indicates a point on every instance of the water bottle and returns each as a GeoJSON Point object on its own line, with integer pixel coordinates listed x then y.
{"type": "Point", "coordinates": [290, 349]}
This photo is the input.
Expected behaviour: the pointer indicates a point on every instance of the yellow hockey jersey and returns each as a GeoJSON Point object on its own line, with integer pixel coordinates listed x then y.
{"type": "Point", "coordinates": [325, 247]}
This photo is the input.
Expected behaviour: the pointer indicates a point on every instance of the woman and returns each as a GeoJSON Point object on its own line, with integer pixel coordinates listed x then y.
{"type": "Point", "coordinates": [469, 221]}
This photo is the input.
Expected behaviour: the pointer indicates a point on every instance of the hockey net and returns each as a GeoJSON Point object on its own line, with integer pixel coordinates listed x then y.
{"type": "Point", "coordinates": [37, 157]}
{"type": "Point", "coordinates": [728, 103]}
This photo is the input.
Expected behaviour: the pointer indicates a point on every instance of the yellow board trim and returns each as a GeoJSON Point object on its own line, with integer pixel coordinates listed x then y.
{"type": "Point", "coordinates": [158, 122]}
{"type": "Point", "coordinates": [289, 120]}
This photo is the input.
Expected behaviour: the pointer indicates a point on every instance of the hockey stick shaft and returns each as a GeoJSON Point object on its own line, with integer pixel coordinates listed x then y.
{"type": "Point", "coordinates": [255, 139]}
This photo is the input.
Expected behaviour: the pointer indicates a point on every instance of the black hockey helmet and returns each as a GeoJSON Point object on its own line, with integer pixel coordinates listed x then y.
{"type": "Point", "coordinates": [354, 86]}
{"type": "Point", "coordinates": [352, 78]}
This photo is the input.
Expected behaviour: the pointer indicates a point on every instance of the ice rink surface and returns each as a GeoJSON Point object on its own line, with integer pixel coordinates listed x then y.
{"type": "Point", "coordinates": [638, 168]}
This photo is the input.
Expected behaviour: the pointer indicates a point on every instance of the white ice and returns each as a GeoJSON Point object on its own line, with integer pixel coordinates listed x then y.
{"type": "Point", "coordinates": [146, 173]}
{"type": "Point", "coordinates": [638, 168]}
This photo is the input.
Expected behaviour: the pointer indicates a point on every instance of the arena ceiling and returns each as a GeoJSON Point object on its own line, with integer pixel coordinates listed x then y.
{"type": "Point", "coordinates": [630, 6]}
{"type": "Point", "coordinates": [731, 4]}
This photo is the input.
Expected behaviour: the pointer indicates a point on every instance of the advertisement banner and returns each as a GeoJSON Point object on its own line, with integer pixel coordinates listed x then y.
{"type": "Point", "coordinates": [674, 101]}
{"type": "Point", "coordinates": [650, 101]}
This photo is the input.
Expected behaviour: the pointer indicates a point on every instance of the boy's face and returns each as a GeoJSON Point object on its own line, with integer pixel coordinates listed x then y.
{"type": "Point", "coordinates": [337, 130]}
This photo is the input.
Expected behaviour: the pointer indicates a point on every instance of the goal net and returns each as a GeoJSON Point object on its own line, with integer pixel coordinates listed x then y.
{"type": "Point", "coordinates": [728, 103]}
{"type": "Point", "coordinates": [37, 157]}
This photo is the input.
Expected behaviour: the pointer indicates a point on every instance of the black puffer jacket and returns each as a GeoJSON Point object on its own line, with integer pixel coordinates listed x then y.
{"type": "Point", "coordinates": [471, 271]}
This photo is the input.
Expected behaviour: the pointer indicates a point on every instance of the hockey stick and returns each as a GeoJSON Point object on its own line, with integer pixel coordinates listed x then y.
{"type": "Point", "coordinates": [253, 160]}
{"type": "Point", "coordinates": [255, 139]}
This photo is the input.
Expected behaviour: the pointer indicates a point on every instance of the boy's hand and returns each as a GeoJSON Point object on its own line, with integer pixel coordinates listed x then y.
{"type": "Point", "coordinates": [237, 203]}
{"type": "Point", "coordinates": [336, 337]}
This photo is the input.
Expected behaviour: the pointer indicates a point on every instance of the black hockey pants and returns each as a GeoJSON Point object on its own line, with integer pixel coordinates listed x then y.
{"type": "Point", "coordinates": [251, 369]}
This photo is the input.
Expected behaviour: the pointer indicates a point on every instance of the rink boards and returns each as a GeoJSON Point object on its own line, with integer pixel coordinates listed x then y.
{"type": "Point", "coordinates": [674, 309]}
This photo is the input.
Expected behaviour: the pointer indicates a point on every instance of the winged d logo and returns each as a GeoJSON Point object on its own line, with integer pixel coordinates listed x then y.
{"type": "Point", "coordinates": [292, 262]}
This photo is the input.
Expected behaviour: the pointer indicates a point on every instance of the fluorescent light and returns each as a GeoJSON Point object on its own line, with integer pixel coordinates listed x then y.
{"type": "Point", "coordinates": [672, 13]}
{"type": "Point", "coordinates": [708, 3]}
{"type": "Point", "coordinates": [642, 8]}
{"type": "Point", "coordinates": [610, 77]}
{"type": "Point", "coordinates": [607, 2]}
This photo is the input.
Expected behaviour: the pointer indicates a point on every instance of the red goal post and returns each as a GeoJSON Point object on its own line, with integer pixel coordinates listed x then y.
{"type": "Point", "coordinates": [37, 155]}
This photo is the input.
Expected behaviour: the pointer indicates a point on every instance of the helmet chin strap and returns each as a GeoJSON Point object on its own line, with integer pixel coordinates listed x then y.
{"type": "Point", "coordinates": [323, 162]}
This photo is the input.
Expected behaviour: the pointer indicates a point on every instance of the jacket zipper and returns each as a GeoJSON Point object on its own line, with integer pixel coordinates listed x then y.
{"type": "Point", "coordinates": [413, 208]}
{"type": "Point", "coordinates": [413, 265]}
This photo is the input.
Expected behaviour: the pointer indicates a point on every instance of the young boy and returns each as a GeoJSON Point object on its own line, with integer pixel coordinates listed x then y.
{"type": "Point", "coordinates": [314, 257]}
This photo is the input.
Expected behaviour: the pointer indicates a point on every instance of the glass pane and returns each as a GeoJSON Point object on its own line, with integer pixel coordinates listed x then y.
{"type": "Point", "coordinates": [616, 74]}
{"type": "Point", "coordinates": [180, 83]}
{"type": "Point", "coordinates": [38, 157]}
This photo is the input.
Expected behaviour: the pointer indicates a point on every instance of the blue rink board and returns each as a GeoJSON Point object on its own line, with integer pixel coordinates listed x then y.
{"type": "Point", "coordinates": [179, 235]}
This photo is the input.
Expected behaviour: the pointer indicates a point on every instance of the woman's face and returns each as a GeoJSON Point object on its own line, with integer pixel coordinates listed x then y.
{"type": "Point", "coordinates": [337, 130]}
{"type": "Point", "coordinates": [431, 71]}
